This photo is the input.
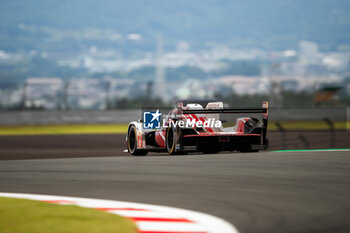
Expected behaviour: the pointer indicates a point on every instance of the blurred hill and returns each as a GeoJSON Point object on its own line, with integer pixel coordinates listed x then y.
{"type": "Point", "coordinates": [272, 24]}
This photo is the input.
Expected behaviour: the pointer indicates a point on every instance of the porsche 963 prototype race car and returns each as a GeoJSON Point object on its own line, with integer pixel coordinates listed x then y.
{"type": "Point", "coordinates": [190, 127]}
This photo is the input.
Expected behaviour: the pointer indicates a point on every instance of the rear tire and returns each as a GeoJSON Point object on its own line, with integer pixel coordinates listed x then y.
{"type": "Point", "coordinates": [132, 142]}
{"type": "Point", "coordinates": [171, 144]}
{"type": "Point", "coordinates": [211, 151]}
{"type": "Point", "coordinates": [170, 141]}
{"type": "Point", "coordinates": [249, 151]}
{"type": "Point", "coordinates": [209, 148]}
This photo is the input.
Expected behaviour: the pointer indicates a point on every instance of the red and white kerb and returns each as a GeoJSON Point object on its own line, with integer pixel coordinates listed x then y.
{"type": "Point", "coordinates": [148, 218]}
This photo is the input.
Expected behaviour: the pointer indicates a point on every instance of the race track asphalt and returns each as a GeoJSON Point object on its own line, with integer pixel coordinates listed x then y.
{"type": "Point", "coordinates": [103, 145]}
{"type": "Point", "coordinates": [257, 192]}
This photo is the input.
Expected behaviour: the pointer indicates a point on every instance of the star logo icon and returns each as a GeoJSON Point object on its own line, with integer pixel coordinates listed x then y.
{"type": "Point", "coordinates": [152, 120]}
{"type": "Point", "coordinates": [156, 115]}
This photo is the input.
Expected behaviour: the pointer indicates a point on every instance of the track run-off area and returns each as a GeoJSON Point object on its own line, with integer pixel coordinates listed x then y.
{"type": "Point", "coordinates": [148, 218]}
{"type": "Point", "coordinates": [294, 191]}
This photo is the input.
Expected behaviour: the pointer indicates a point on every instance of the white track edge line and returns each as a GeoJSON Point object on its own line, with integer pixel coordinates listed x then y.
{"type": "Point", "coordinates": [212, 223]}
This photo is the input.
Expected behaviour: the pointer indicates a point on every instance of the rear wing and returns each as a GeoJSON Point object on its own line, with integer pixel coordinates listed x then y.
{"type": "Point", "coordinates": [226, 110]}
{"type": "Point", "coordinates": [264, 110]}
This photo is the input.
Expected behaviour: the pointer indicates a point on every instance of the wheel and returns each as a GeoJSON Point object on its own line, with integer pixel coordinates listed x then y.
{"type": "Point", "coordinates": [246, 148]}
{"type": "Point", "coordinates": [209, 148]}
{"type": "Point", "coordinates": [213, 150]}
{"type": "Point", "coordinates": [170, 141]}
{"type": "Point", "coordinates": [132, 142]}
{"type": "Point", "coordinates": [248, 151]}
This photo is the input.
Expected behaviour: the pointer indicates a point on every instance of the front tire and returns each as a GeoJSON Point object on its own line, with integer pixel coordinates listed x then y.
{"type": "Point", "coordinates": [132, 142]}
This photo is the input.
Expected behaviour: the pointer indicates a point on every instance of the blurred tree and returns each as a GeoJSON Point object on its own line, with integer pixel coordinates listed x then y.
{"type": "Point", "coordinates": [296, 99]}
{"type": "Point", "coordinates": [242, 101]}
{"type": "Point", "coordinates": [247, 68]}
{"type": "Point", "coordinates": [137, 103]}
{"type": "Point", "coordinates": [185, 72]}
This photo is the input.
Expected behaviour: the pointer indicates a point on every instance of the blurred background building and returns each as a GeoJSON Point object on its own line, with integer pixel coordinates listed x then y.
{"type": "Point", "coordinates": [116, 54]}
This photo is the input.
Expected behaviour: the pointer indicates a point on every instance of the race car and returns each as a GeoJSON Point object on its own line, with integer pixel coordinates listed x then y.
{"type": "Point", "coordinates": [190, 127]}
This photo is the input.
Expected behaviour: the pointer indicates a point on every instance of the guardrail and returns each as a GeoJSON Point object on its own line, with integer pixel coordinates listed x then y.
{"type": "Point", "coordinates": [330, 133]}
{"type": "Point", "coordinates": [12, 118]}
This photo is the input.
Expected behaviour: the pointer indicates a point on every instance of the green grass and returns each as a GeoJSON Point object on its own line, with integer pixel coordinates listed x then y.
{"type": "Point", "coordinates": [63, 129]}
{"type": "Point", "coordinates": [122, 128]}
{"type": "Point", "coordinates": [28, 216]}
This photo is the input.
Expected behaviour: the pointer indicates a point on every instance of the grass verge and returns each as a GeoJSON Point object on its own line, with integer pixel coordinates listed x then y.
{"type": "Point", "coordinates": [63, 129]}
{"type": "Point", "coordinates": [28, 216]}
